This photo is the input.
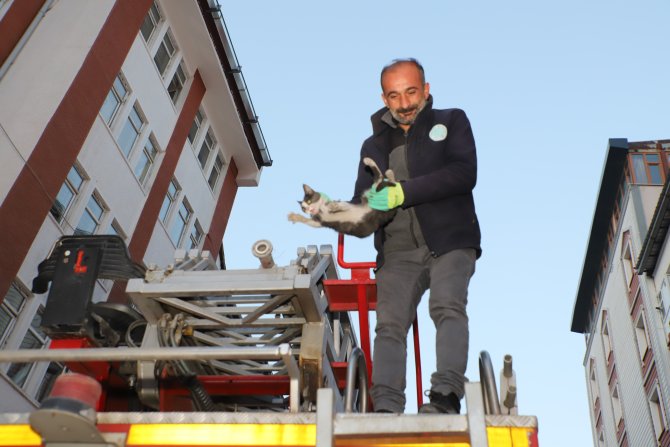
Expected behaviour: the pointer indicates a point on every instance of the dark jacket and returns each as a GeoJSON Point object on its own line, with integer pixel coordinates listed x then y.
{"type": "Point", "coordinates": [442, 173]}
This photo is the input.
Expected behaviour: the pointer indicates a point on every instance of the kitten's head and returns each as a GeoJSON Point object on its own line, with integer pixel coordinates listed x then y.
{"type": "Point", "coordinates": [312, 201]}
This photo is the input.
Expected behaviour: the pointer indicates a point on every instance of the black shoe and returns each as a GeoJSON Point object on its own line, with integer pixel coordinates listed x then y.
{"type": "Point", "coordinates": [439, 403]}
{"type": "Point", "coordinates": [383, 411]}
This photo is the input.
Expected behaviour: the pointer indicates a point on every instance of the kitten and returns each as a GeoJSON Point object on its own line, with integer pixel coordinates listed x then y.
{"type": "Point", "coordinates": [355, 219]}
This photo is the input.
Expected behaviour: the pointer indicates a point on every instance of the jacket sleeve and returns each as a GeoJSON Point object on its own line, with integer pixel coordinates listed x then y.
{"type": "Point", "coordinates": [458, 174]}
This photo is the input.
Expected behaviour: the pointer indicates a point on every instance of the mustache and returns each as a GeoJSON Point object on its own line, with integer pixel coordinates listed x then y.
{"type": "Point", "coordinates": [407, 109]}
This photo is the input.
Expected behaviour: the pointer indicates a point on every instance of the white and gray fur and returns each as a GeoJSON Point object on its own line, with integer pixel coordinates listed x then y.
{"type": "Point", "coordinates": [344, 217]}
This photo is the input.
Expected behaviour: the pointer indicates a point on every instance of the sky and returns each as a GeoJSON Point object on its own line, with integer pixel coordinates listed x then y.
{"type": "Point", "coordinates": [545, 86]}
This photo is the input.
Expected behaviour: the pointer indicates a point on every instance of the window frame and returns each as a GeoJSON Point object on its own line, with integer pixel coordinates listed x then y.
{"type": "Point", "coordinates": [172, 56]}
{"type": "Point", "coordinates": [218, 169]}
{"type": "Point", "coordinates": [648, 165]}
{"type": "Point", "coordinates": [617, 407]}
{"type": "Point", "coordinates": [12, 312]}
{"type": "Point", "coordinates": [198, 123]}
{"type": "Point", "coordinates": [658, 411]}
{"type": "Point", "coordinates": [180, 81]}
{"type": "Point", "coordinates": [155, 23]}
{"type": "Point", "coordinates": [628, 259]}
{"type": "Point", "coordinates": [206, 149]}
{"type": "Point", "coordinates": [150, 160]}
{"type": "Point", "coordinates": [25, 325]}
{"type": "Point", "coordinates": [607, 339]}
{"type": "Point", "coordinates": [138, 132]}
{"type": "Point", "coordinates": [120, 100]}
{"type": "Point", "coordinates": [27, 369]}
{"type": "Point", "coordinates": [641, 335]}
{"type": "Point", "coordinates": [97, 220]}
{"type": "Point", "coordinates": [182, 220]}
{"type": "Point", "coordinates": [76, 191]}
{"type": "Point", "coordinates": [165, 212]}
{"type": "Point", "coordinates": [196, 235]}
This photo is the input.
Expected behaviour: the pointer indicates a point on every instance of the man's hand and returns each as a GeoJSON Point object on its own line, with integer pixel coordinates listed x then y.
{"type": "Point", "coordinates": [388, 198]}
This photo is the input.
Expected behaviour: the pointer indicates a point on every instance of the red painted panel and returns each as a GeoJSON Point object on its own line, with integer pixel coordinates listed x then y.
{"type": "Point", "coordinates": [57, 148]}
{"type": "Point", "coordinates": [15, 23]}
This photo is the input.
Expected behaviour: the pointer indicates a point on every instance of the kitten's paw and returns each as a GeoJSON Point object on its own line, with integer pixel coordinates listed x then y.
{"type": "Point", "coordinates": [293, 217]}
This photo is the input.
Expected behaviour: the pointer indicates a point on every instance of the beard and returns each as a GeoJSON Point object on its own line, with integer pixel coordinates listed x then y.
{"type": "Point", "coordinates": [407, 115]}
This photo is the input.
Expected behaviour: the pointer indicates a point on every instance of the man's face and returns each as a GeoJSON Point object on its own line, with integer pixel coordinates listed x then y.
{"type": "Point", "coordinates": [404, 93]}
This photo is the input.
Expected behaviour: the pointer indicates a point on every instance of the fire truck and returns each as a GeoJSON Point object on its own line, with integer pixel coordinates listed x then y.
{"type": "Point", "coordinates": [271, 356]}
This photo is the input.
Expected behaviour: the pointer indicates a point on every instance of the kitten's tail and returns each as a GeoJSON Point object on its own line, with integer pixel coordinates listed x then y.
{"type": "Point", "coordinates": [377, 173]}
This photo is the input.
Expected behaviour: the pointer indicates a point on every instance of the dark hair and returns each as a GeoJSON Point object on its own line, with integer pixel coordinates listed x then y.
{"type": "Point", "coordinates": [395, 62]}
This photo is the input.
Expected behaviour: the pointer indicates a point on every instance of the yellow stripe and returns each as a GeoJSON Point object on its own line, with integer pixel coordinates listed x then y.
{"type": "Point", "coordinates": [18, 435]}
{"type": "Point", "coordinates": [520, 436]}
{"type": "Point", "coordinates": [507, 436]}
{"type": "Point", "coordinates": [223, 434]}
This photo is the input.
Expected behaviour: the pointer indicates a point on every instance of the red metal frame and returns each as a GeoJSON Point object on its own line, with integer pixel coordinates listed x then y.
{"type": "Point", "coordinates": [340, 298]}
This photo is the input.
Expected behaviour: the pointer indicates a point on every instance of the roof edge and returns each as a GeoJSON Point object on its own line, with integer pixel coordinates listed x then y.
{"type": "Point", "coordinates": [613, 169]}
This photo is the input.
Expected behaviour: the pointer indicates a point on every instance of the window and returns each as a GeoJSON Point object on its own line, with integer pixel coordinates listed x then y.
{"type": "Point", "coordinates": [196, 235]}
{"type": "Point", "coordinates": [35, 338]}
{"type": "Point", "coordinates": [616, 405]}
{"type": "Point", "coordinates": [641, 335]}
{"type": "Point", "coordinates": [206, 148]}
{"type": "Point", "coordinates": [166, 50]}
{"type": "Point", "coordinates": [115, 228]}
{"type": "Point", "coordinates": [627, 261]}
{"type": "Point", "coordinates": [146, 161]}
{"type": "Point", "coordinates": [607, 342]}
{"type": "Point", "coordinates": [151, 21]}
{"type": "Point", "coordinates": [92, 217]}
{"type": "Point", "coordinates": [647, 168]}
{"type": "Point", "coordinates": [177, 83]}
{"type": "Point", "coordinates": [131, 130]}
{"type": "Point", "coordinates": [195, 127]}
{"type": "Point", "coordinates": [657, 412]}
{"type": "Point", "coordinates": [9, 310]}
{"type": "Point", "coordinates": [593, 382]}
{"type": "Point", "coordinates": [67, 193]}
{"type": "Point", "coordinates": [216, 171]}
{"type": "Point", "coordinates": [115, 97]}
{"type": "Point", "coordinates": [664, 305]}
{"type": "Point", "coordinates": [170, 198]}
{"type": "Point", "coordinates": [180, 223]}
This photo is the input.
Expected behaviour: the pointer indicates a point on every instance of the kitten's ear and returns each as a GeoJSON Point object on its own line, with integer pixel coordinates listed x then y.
{"type": "Point", "coordinates": [307, 189]}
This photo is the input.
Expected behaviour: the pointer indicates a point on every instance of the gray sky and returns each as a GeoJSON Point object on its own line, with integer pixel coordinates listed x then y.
{"type": "Point", "coordinates": [545, 85]}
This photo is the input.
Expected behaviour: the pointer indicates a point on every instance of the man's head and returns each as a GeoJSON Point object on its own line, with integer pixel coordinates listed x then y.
{"type": "Point", "coordinates": [404, 90]}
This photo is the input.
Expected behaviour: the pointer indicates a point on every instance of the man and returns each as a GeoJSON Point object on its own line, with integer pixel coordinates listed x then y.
{"type": "Point", "coordinates": [432, 242]}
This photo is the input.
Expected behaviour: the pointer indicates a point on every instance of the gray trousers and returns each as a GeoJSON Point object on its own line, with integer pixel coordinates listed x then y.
{"type": "Point", "coordinates": [401, 281]}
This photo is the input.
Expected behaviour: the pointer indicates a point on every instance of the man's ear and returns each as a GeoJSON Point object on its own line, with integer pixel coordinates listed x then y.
{"type": "Point", "coordinates": [384, 99]}
{"type": "Point", "coordinates": [426, 90]}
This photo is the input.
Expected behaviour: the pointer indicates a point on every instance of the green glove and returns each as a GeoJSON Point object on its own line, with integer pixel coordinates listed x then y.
{"type": "Point", "coordinates": [324, 196]}
{"type": "Point", "coordinates": [388, 198]}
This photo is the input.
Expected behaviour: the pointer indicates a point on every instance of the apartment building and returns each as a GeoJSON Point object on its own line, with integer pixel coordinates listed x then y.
{"type": "Point", "coordinates": [623, 298]}
{"type": "Point", "coordinates": [126, 117]}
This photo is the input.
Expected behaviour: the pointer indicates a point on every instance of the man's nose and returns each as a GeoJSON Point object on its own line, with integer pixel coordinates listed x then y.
{"type": "Point", "coordinates": [404, 101]}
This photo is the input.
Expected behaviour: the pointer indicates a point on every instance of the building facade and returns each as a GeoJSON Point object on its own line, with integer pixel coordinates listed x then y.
{"type": "Point", "coordinates": [127, 117]}
{"type": "Point", "coordinates": [623, 298]}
